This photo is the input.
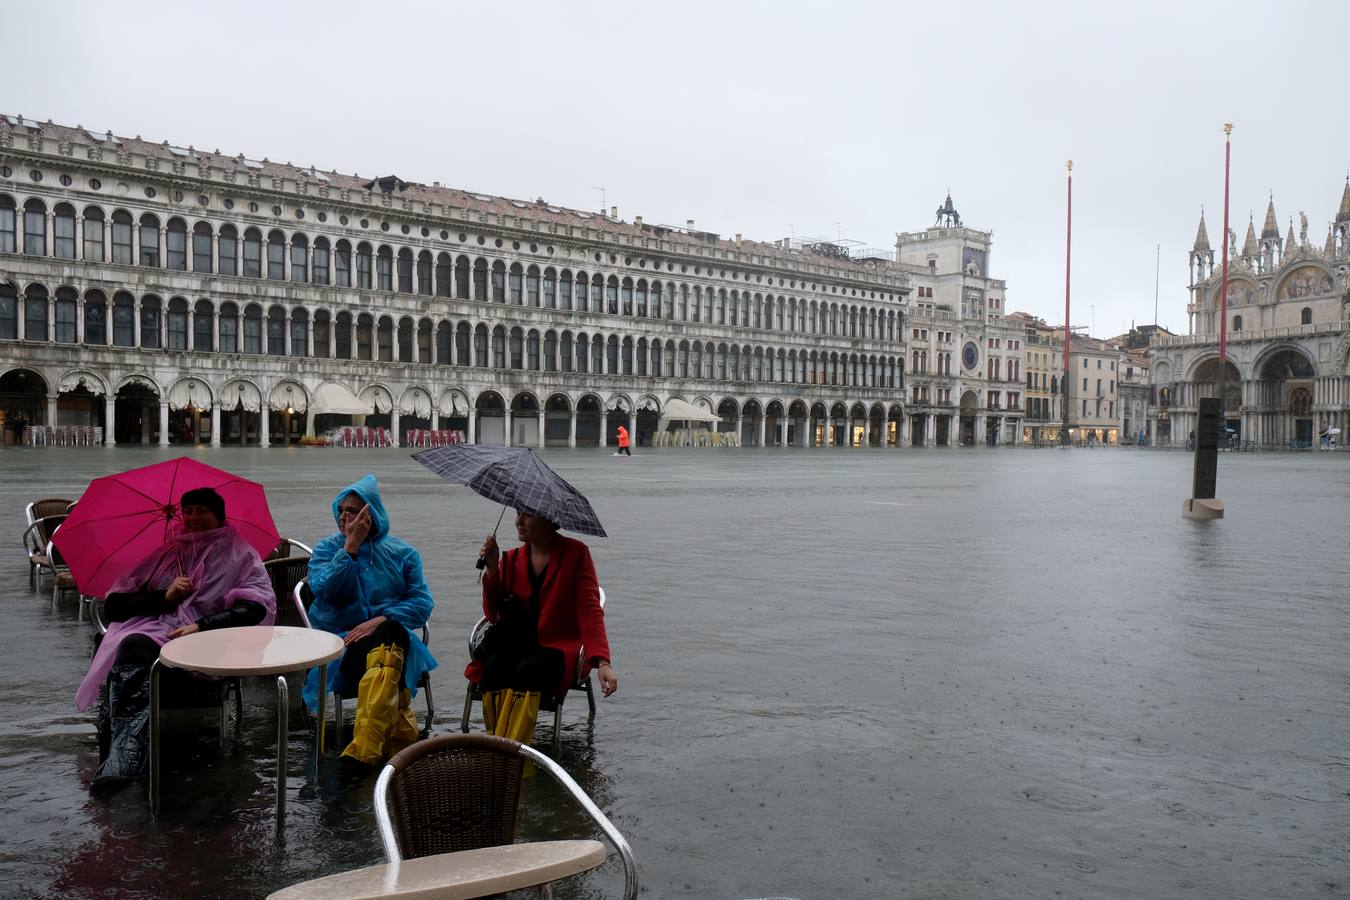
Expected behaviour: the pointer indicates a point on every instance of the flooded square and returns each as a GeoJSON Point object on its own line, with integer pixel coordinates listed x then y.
{"type": "Point", "coordinates": [843, 673]}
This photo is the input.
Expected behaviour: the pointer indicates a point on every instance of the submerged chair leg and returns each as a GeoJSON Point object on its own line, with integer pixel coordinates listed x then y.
{"type": "Point", "coordinates": [468, 709]}
{"type": "Point", "coordinates": [431, 706]}
{"type": "Point", "coordinates": [557, 729]}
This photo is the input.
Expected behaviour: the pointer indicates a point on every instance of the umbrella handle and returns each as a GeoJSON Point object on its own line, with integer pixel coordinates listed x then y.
{"type": "Point", "coordinates": [481, 564]}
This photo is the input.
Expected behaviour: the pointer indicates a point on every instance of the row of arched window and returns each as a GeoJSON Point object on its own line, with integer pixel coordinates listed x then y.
{"type": "Point", "coordinates": [152, 323]}
{"type": "Point", "coordinates": [296, 258]}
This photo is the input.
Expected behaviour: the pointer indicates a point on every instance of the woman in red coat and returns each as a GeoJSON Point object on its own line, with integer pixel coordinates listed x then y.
{"type": "Point", "coordinates": [544, 602]}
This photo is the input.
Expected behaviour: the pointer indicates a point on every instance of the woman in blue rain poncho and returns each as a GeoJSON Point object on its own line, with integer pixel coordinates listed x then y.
{"type": "Point", "coordinates": [369, 590]}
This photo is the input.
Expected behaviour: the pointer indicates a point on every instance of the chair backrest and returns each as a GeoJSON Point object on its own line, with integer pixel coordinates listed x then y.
{"type": "Point", "coordinates": [284, 573]}
{"type": "Point", "coordinates": [39, 534]}
{"type": "Point", "coordinates": [51, 506]}
{"type": "Point", "coordinates": [453, 792]}
{"type": "Point", "coordinates": [462, 791]}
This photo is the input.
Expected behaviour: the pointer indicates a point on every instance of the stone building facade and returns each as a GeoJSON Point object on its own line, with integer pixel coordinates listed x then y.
{"type": "Point", "coordinates": [1043, 361]}
{"type": "Point", "coordinates": [965, 355]}
{"type": "Point", "coordinates": [1288, 369]}
{"type": "Point", "coordinates": [176, 295]}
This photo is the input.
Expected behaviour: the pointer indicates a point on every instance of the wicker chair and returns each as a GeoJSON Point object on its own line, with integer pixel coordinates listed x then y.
{"type": "Point", "coordinates": [461, 792]}
{"type": "Point", "coordinates": [549, 703]}
{"type": "Point", "coordinates": [44, 517]}
{"type": "Point", "coordinates": [298, 610]}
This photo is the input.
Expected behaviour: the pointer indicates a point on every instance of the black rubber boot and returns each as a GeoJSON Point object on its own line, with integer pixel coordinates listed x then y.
{"type": "Point", "coordinates": [129, 716]}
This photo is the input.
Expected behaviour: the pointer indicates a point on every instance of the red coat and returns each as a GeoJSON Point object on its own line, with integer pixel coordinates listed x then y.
{"type": "Point", "coordinates": [570, 616]}
{"type": "Point", "coordinates": [623, 436]}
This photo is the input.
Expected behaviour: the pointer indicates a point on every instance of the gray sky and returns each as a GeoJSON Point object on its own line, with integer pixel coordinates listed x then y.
{"type": "Point", "coordinates": [761, 118]}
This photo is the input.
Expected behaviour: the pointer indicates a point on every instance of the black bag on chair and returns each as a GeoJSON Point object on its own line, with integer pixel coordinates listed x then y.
{"type": "Point", "coordinates": [516, 628]}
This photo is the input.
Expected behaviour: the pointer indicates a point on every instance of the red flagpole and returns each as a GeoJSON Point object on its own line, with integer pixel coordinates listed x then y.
{"type": "Point", "coordinates": [1068, 261]}
{"type": "Point", "coordinates": [1223, 289]}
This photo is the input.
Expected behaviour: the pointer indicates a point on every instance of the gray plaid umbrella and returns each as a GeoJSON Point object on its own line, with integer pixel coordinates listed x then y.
{"type": "Point", "coordinates": [515, 477]}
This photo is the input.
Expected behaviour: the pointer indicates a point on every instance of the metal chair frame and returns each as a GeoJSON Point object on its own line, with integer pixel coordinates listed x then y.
{"type": "Point", "coordinates": [232, 685]}
{"type": "Point", "coordinates": [384, 819]}
{"type": "Point", "coordinates": [551, 703]}
{"type": "Point", "coordinates": [424, 685]}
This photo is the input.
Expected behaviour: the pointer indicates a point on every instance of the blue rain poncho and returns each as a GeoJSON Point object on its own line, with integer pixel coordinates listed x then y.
{"type": "Point", "coordinates": [385, 579]}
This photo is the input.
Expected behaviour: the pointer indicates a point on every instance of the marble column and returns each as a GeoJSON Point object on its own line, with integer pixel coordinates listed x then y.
{"type": "Point", "coordinates": [51, 409]}
{"type": "Point", "coordinates": [110, 421]}
{"type": "Point", "coordinates": [394, 435]}
{"type": "Point", "coordinates": [829, 433]}
{"type": "Point", "coordinates": [472, 436]}
{"type": "Point", "coordinates": [506, 431]}
{"type": "Point", "coordinates": [763, 426]}
{"type": "Point", "coordinates": [782, 431]}
{"type": "Point", "coordinates": [215, 424]}
{"type": "Point", "coordinates": [164, 423]}
{"type": "Point", "coordinates": [632, 430]}
{"type": "Point", "coordinates": [572, 428]}
{"type": "Point", "coordinates": [540, 443]}
{"type": "Point", "coordinates": [264, 425]}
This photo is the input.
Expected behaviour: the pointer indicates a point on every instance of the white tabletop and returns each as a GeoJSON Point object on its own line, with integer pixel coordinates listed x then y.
{"type": "Point", "coordinates": [456, 876]}
{"type": "Point", "coordinates": [251, 650]}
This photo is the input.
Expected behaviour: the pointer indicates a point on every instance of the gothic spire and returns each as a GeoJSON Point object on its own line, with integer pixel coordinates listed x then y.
{"type": "Point", "coordinates": [1343, 215]}
{"type": "Point", "coordinates": [1249, 246]}
{"type": "Point", "coordinates": [1271, 228]}
{"type": "Point", "coordinates": [1329, 251]}
{"type": "Point", "coordinates": [1201, 235]}
{"type": "Point", "coordinates": [1289, 243]}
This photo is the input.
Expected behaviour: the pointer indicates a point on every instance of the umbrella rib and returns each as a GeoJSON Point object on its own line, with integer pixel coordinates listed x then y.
{"type": "Point", "coordinates": [107, 557]}
{"type": "Point", "coordinates": [134, 489]}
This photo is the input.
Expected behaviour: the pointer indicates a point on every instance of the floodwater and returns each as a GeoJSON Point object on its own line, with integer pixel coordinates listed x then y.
{"type": "Point", "coordinates": [913, 674]}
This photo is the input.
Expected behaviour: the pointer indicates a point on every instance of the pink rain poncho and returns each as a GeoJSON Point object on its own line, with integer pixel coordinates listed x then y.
{"type": "Point", "coordinates": [223, 569]}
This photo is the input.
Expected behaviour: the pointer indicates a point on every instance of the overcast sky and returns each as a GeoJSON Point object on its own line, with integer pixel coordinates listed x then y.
{"type": "Point", "coordinates": [769, 119]}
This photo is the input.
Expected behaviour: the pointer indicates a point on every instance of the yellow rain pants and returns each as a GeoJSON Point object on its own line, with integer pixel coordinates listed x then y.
{"type": "Point", "coordinates": [379, 704]}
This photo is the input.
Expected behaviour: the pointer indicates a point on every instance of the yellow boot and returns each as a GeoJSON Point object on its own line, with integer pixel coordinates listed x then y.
{"type": "Point", "coordinates": [405, 731]}
{"type": "Point", "coordinates": [516, 720]}
{"type": "Point", "coordinates": [377, 705]}
{"type": "Point", "coordinates": [524, 714]}
{"type": "Point", "coordinates": [505, 706]}
{"type": "Point", "coordinates": [491, 701]}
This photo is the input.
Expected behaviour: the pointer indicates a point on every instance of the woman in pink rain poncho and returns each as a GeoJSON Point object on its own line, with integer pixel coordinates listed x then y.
{"type": "Point", "coordinates": [204, 577]}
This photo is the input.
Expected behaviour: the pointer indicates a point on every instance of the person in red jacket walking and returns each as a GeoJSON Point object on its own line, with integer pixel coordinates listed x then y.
{"type": "Point", "coordinates": [543, 599]}
{"type": "Point", "coordinates": [623, 441]}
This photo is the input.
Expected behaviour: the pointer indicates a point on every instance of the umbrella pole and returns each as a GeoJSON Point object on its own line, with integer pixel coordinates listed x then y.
{"type": "Point", "coordinates": [482, 563]}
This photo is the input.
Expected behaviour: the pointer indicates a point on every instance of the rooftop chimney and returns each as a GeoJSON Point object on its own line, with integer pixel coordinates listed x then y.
{"type": "Point", "coordinates": [689, 223]}
{"type": "Point", "coordinates": [614, 213]}
{"type": "Point", "coordinates": [637, 220]}
{"type": "Point", "coordinates": [738, 239]}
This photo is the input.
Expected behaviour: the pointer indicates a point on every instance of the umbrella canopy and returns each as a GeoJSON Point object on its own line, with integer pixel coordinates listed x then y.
{"type": "Point", "coordinates": [334, 398]}
{"type": "Point", "coordinates": [122, 518]}
{"type": "Point", "coordinates": [677, 410]}
{"type": "Point", "coordinates": [515, 477]}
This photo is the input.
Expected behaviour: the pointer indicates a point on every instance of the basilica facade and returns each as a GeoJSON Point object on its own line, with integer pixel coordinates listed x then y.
{"type": "Point", "coordinates": [1287, 378]}
{"type": "Point", "coordinates": [174, 295]}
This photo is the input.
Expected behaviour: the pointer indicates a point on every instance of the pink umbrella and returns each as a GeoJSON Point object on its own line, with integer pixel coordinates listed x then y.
{"type": "Point", "coordinates": [122, 518]}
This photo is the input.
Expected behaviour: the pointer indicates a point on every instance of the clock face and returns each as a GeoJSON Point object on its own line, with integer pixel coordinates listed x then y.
{"type": "Point", "coordinates": [970, 355]}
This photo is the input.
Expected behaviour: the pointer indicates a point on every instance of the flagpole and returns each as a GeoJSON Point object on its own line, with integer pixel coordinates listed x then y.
{"type": "Point", "coordinates": [1068, 260]}
{"type": "Point", "coordinates": [1223, 285]}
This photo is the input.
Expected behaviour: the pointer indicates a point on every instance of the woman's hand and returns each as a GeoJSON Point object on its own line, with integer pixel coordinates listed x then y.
{"type": "Point", "coordinates": [358, 529]}
{"type": "Point", "coordinates": [186, 629]}
{"type": "Point", "coordinates": [179, 590]}
{"type": "Point", "coordinates": [609, 681]}
{"type": "Point", "coordinates": [364, 630]}
{"type": "Point", "coordinates": [490, 553]}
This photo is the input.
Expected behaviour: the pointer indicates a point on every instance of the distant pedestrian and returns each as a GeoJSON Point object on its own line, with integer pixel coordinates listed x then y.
{"type": "Point", "coordinates": [623, 441]}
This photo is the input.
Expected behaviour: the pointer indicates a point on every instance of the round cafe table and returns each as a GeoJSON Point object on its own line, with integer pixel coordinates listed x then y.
{"type": "Point", "coordinates": [250, 650]}
{"type": "Point", "coordinates": [456, 876]}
